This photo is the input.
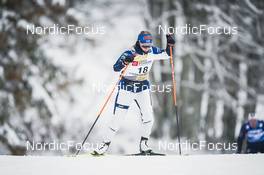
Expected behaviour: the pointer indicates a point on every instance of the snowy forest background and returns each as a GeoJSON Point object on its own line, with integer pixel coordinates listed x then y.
{"type": "Point", "coordinates": [47, 82]}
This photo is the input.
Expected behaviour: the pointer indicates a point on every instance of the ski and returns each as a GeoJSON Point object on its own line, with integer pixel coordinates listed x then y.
{"type": "Point", "coordinates": [92, 154]}
{"type": "Point", "coordinates": [146, 154]}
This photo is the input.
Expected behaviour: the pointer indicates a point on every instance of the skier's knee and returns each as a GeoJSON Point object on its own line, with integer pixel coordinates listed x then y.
{"type": "Point", "coordinates": [114, 126]}
{"type": "Point", "coordinates": [148, 121]}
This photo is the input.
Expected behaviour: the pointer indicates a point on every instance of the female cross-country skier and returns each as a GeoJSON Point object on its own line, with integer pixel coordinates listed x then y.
{"type": "Point", "coordinates": [134, 87]}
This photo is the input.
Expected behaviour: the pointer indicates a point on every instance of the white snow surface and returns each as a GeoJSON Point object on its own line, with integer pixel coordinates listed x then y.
{"type": "Point", "coordinates": [169, 165]}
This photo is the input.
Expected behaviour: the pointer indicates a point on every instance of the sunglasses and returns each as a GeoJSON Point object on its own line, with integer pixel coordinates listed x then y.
{"type": "Point", "coordinates": [145, 47]}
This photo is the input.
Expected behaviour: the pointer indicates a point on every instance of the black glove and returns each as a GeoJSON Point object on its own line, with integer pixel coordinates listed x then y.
{"type": "Point", "coordinates": [129, 58]}
{"type": "Point", "coordinates": [170, 40]}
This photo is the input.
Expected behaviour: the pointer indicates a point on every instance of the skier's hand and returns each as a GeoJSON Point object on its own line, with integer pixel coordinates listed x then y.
{"type": "Point", "coordinates": [129, 58]}
{"type": "Point", "coordinates": [170, 40]}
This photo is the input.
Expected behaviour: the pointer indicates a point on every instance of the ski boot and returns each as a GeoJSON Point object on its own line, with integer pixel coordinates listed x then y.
{"type": "Point", "coordinates": [143, 146]}
{"type": "Point", "coordinates": [101, 150]}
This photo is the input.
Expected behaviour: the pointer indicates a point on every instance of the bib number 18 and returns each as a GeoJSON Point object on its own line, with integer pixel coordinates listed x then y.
{"type": "Point", "coordinates": [143, 69]}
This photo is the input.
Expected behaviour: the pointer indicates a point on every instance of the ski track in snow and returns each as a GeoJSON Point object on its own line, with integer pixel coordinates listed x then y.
{"type": "Point", "coordinates": [167, 165]}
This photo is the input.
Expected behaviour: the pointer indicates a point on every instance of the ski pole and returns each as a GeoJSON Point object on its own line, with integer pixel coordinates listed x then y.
{"type": "Point", "coordinates": [175, 98]}
{"type": "Point", "coordinates": [101, 110]}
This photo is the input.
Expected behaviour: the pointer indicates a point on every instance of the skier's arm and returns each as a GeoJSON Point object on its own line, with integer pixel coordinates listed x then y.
{"type": "Point", "coordinates": [123, 60]}
{"type": "Point", "coordinates": [240, 138]}
{"type": "Point", "coordinates": [163, 54]}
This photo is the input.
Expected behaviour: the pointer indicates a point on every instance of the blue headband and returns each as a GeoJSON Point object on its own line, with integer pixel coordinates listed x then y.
{"type": "Point", "coordinates": [145, 38]}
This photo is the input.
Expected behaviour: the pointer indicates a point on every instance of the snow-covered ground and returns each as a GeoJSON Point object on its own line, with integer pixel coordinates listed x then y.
{"type": "Point", "coordinates": [167, 165]}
